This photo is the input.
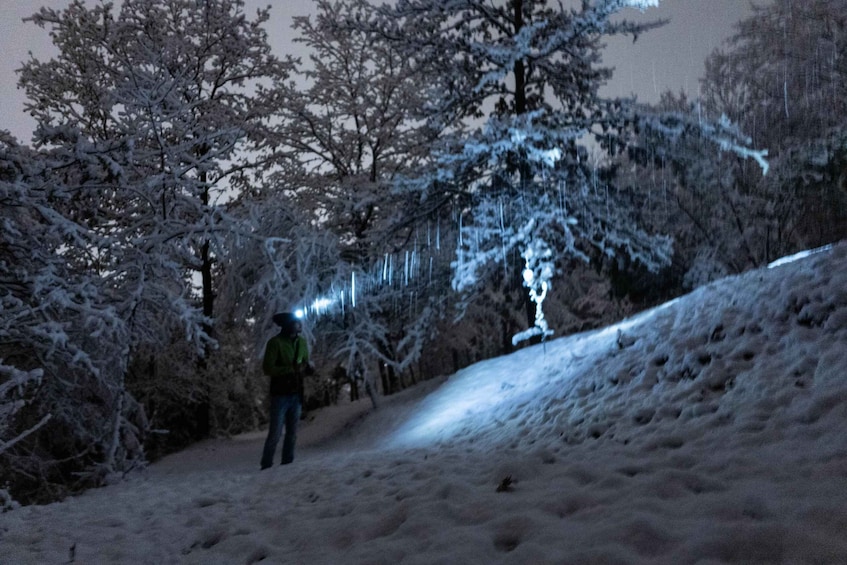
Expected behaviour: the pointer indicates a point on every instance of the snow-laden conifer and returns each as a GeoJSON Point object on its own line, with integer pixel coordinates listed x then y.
{"type": "Point", "coordinates": [517, 102]}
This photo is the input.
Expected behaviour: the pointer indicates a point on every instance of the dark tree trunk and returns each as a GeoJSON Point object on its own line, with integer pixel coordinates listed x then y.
{"type": "Point", "coordinates": [203, 412]}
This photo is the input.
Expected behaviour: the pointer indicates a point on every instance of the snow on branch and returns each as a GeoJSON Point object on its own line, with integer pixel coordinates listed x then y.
{"type": "Point", "coordinates": [666, 129]}
{"type": "Point", "coordinates": [12, 400]}
{"type": "Point", "coordinates": [642, 4]}
{"type": "Point", "coordinates": [5, 445]}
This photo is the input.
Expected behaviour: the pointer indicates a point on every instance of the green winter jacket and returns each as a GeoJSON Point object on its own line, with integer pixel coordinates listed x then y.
{"type": "Point", "coordinates": [284, 362]}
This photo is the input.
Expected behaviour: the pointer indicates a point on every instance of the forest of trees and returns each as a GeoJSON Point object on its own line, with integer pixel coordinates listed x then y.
{"type": "Point", "coordinates": [433, 183]}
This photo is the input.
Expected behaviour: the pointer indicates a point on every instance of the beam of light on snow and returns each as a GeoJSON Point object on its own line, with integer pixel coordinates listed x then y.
{"type": "Point", "coordinates": [480, 396]}
{"type": "Point", "coordinates": [319, 306]}
{"type": "Point", "coordinates": [322, 304]}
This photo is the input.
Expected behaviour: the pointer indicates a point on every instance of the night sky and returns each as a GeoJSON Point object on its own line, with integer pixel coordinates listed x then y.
{"type": "Point", "coordinates": [668, 58]}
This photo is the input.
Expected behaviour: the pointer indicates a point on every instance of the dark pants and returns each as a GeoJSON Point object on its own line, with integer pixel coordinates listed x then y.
{"type": "Point", "coordinates": [285, 412]}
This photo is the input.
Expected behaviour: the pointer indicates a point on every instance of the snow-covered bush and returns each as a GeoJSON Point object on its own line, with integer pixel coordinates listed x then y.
{"type": "Point", "coordinates": [64, 413]}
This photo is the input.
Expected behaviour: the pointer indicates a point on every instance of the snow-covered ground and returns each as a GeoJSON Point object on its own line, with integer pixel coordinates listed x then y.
{"type": "Point", "coordinates": [710, 430]}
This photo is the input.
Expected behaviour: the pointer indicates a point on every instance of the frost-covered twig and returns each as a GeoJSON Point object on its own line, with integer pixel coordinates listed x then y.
{"type": "Point", "coordinates": [5, 445]}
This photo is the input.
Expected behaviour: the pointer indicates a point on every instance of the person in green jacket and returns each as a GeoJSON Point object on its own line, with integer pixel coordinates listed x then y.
{"type": "Point", "coordinates": [286, 360]}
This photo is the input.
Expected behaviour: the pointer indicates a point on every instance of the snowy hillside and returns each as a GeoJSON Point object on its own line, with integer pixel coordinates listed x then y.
{"type": "Point", "coordinates": [710, 430]}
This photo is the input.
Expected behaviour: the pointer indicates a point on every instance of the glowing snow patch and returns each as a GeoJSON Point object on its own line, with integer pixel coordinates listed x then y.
{"type": "Point", "coordinates": [483, 396]}
{"type": "Point", "coordinates": [797, 256]}
{"type": "Point", "coordinates": [471, 397]}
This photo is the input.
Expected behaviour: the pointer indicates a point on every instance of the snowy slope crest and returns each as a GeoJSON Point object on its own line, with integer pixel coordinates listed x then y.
{"type": "Point", "coordinates": [751, 353]}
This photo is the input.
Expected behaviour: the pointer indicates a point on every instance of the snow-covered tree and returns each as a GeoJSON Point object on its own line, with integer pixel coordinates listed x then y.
{"type": "Point", "coordinates": [783, 78]}
{"type": "Point", "coordinates": [690, 187]}
{"type": "Point", "coordinates": [350, 125]}
{"type": "Point", "coordinates": [516, 90]}
{"type": "Point", "coordinates": [66, 418]}
{"type": "Point", "coordinates": [517, 93]}
{"type": "Point", "coordinates": [148, 119]}
{"type": "Point", "coordinates": [167, 98]}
